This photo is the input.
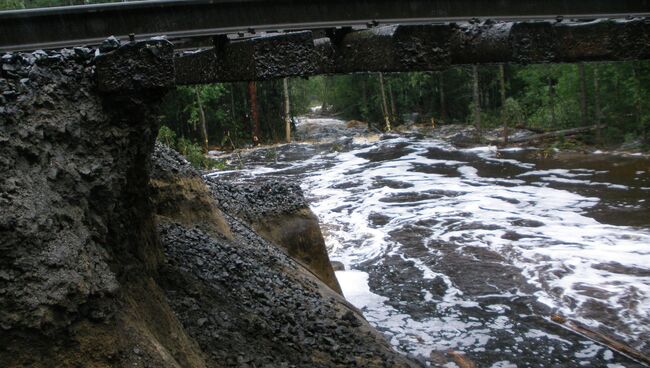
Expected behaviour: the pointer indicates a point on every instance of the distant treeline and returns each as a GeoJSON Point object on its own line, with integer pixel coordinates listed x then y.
{"type": "Point", "coordinates": [548, 96]}
{"type": "Point", "coordinates": [543, 97]}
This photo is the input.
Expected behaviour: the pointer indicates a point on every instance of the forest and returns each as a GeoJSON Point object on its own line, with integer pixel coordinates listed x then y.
{"type": "Point", "coordinates": [545, 97]}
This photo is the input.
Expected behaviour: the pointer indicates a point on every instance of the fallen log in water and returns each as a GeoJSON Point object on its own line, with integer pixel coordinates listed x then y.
{"type": "Point", "coordinates": [555, 134]}
{"type": "Point", "coordinates": [602, 339]}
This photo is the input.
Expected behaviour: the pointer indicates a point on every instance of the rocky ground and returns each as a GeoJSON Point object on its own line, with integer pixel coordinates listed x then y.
{"type": "Point", "coordinates": [279, 212]}
{"type": "Point", "coordinates": [108, 259]}
{"type": "Point", "coordinates": [248, 304]}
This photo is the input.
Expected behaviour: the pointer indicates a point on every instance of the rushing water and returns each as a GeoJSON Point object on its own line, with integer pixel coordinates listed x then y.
{"type": "Point", "coordinates": [473, 250]}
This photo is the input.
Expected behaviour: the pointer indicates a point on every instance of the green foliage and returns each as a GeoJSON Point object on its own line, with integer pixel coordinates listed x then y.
{"type": "Point", "coordinates": [194, 154]}
{"type": "Point", "coordinates": [546, 97]}
{"type": "Point", "coordinates": [12, 4]}
{"type": "Point", "coordinates": [227, 111]}
{"type": "Point", "coordinates": [167, 136]}
{"type": "Point", "coordinates": [209, 96]}
{"type": "Point", "coordinates": [192, 151]}
{"type": "Point", "coordinates": [550, 98]}
{"type": "Point", "coordinates": [512, 112]}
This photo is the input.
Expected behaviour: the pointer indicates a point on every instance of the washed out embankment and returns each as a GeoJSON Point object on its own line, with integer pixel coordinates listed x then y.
{"type": "Point", "coordinates": [77, 236]}
{"type": "Point", "coordinates": [93, 272]}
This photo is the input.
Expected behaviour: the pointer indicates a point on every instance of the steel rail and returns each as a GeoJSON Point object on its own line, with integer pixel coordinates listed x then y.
{"type": "Point", "coordinates": [89, 24]}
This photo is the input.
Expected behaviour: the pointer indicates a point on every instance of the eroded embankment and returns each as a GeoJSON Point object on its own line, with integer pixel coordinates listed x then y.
{"type": "Point", "coordinates": [91, 276]}
{"type": "Point", "coordinates": [245, 301]}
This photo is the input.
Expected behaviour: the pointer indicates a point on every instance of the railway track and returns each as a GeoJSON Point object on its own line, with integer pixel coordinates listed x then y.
{"type": "Point", "coordinates": [183, 21]}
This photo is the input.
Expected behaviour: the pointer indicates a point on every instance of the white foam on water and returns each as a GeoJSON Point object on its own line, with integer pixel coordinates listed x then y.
{"type": "Point", "coordinates": [558, 256]}
{"type": "Point", "coordinates": [559, 172]}
{"type": "Point", "coordinates": [504, 364]}
{"type": "Point", "coordinates": [556, 179]}
{"type": "Point", "coordinates": [354, 285]}
{"type": "Point", "coordinates": [562, 257]}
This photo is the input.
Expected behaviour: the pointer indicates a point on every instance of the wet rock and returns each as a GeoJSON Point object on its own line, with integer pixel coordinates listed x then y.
{"type": "Point", "coordinates": [329, 130]}
{"type": "Point", "coordinates": [394, 184]}
{"type": "Point", "coordinates": [527, 223]}
{"type": "Point", "coordinates": [401, 280]}
{"type": "Point", "coordinates": [387, 152]}
{"type": "Point", "coordinates": [377, 219]}
{"type": "Point", "coordinates": [338, 266]}
{"type": "Point", "coordinates": [514, 236]}
{"type": "Point", "coordinates": [616, 267]}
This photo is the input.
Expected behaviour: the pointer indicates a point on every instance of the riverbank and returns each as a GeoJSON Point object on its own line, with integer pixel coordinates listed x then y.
{"type": "Point", "coordinates": [465, 135]}
{"type": "Point", "coordinates": [318, 129]}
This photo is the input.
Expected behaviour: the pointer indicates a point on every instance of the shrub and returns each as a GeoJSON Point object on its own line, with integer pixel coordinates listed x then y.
{"type": "Point", "coordinates": [167, 136]}
{"type": "Point", "coordinates": [192, 151]}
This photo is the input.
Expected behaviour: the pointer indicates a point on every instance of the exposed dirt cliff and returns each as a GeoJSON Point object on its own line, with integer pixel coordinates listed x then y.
{"type": "Point", "coordinates": [102, 265]}
{"type": "Point", "coordinates": [78, 242]}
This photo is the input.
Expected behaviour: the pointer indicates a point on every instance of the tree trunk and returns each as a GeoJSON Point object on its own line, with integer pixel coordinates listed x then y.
{"type": "Point", "coordinates": [232, 101]}
{"type": "Point", "coordinates": [477, 105]}
{"type": "Point", "coordinates": [597, 111]}
{"type": "Point", "coordinates": [441, 89]}
{"type": "Point", "coordinates": [637, 101]}
{"type": "Point", "coordinates": [204, 131]}
{"type": "Point", "coordinates": [384, 103]}
{"type": "Point", "coordinates": [551, 99]}
{"type": "Point", "coordinates": [393, 109]}
{"type": "Point", "coordinates": [364, 101]}
{"type": "Point", "coordinates": [602, 339]}
{"type": "Point", "coordinates": [255, 116]}
{"type": "Point", "coordinates": [287, 112]}
{"type": "Point", "coordinates": [583, 94]}
{"type": "Point", "coordinates": [502, 90]}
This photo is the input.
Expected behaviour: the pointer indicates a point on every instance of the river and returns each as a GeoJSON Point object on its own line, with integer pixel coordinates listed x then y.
{"type": "Point", "coordinates": [473, 249]}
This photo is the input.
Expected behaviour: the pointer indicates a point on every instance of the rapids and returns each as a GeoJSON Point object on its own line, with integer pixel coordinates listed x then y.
{"type": "Point", "coordinates": [473, 249]}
